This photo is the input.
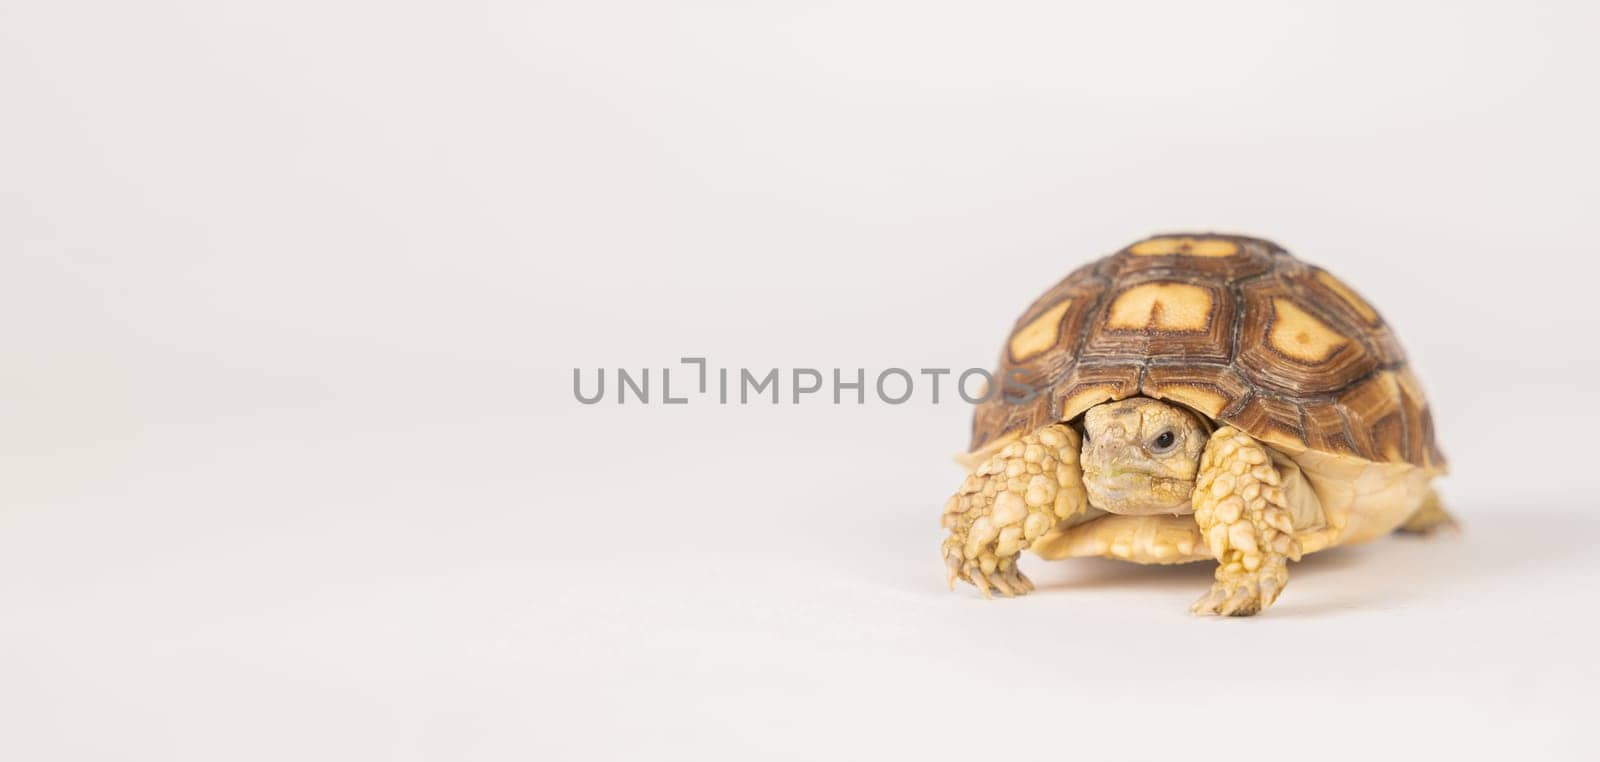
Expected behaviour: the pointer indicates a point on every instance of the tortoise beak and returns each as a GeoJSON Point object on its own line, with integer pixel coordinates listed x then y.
{"type": "Point", "coordinates": [1132, 493]}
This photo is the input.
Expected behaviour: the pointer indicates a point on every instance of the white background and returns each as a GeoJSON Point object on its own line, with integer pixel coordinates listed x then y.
{"type": "Point", "coordinates": [291, 295]}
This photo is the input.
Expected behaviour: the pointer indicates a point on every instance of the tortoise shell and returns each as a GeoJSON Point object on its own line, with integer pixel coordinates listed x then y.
{"type": "Point", "coordinates": [1234, 328]}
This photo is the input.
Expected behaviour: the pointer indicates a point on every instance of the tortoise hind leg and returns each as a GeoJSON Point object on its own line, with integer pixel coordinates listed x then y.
{"type": "Point", "coordinates": [1429, 518]}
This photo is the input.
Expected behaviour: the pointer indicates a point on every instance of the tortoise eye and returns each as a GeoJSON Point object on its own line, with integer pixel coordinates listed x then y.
{"type": "Point", "coordinates": [1164, 441]}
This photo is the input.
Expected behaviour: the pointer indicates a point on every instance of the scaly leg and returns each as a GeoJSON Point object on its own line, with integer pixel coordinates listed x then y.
{"type": "Point", "coordinates": [1009, 501]}
{"type": "Point", "coordinates": [1429, 518]}
{"type": "Point", "coordinates": [1239, 506]}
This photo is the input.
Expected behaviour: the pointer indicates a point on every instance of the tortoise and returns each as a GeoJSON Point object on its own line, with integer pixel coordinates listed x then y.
{"type": "Point", "coordinates": [1195, 397]}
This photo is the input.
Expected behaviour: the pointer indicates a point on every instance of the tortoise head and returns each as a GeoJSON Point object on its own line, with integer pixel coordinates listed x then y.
{"type": "Point", "coordinates": [1140, 456]}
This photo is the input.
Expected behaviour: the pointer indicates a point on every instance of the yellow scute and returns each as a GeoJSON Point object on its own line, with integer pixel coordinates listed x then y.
{"type": "Point", "coordinates": [1301, 336]}
{"type": "Point", "coordinates": [1186, 246]}
{"type": "Point", "coordinates": [1039, 334]}
{"type": "Point", "coordinates": [1349, 296]}
{"type": "Point", "coordinates": [1204, 400]}
{"type": "Point", "coordinates": [1162, 306]}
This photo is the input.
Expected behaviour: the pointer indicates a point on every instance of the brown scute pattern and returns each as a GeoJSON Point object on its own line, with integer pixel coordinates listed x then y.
{"type": "Point", "coordinates": [1325, 427]}
{"type": "Point", "coordinates": [1344, 299]}
{"type": "Point", "coordinates": [1359, 398]}
{"type": "Point", "coordinates": [1083, 288]}
{"type": "Point", "coordinates": [1207, 345]}
{"type": "Point", "coordinates": [1273, 420]}
{"type": "Point", "coordinates": [1270, 367]}
{"type": "Point", "coordinates": [1254, 258]}
{"type": "Point", "coordinates": [1091, 385]}
{"type": "Point", "coordinates": [1208, 389]}
{"type": "Point", "coordinates": [1308, 289]}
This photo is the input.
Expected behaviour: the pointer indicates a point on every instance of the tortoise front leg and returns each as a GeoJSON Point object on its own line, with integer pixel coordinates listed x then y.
{"type": "Point", "coordinates": [1009, 501]}
{"type": "Point", "coordinates": [1239, 505]}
